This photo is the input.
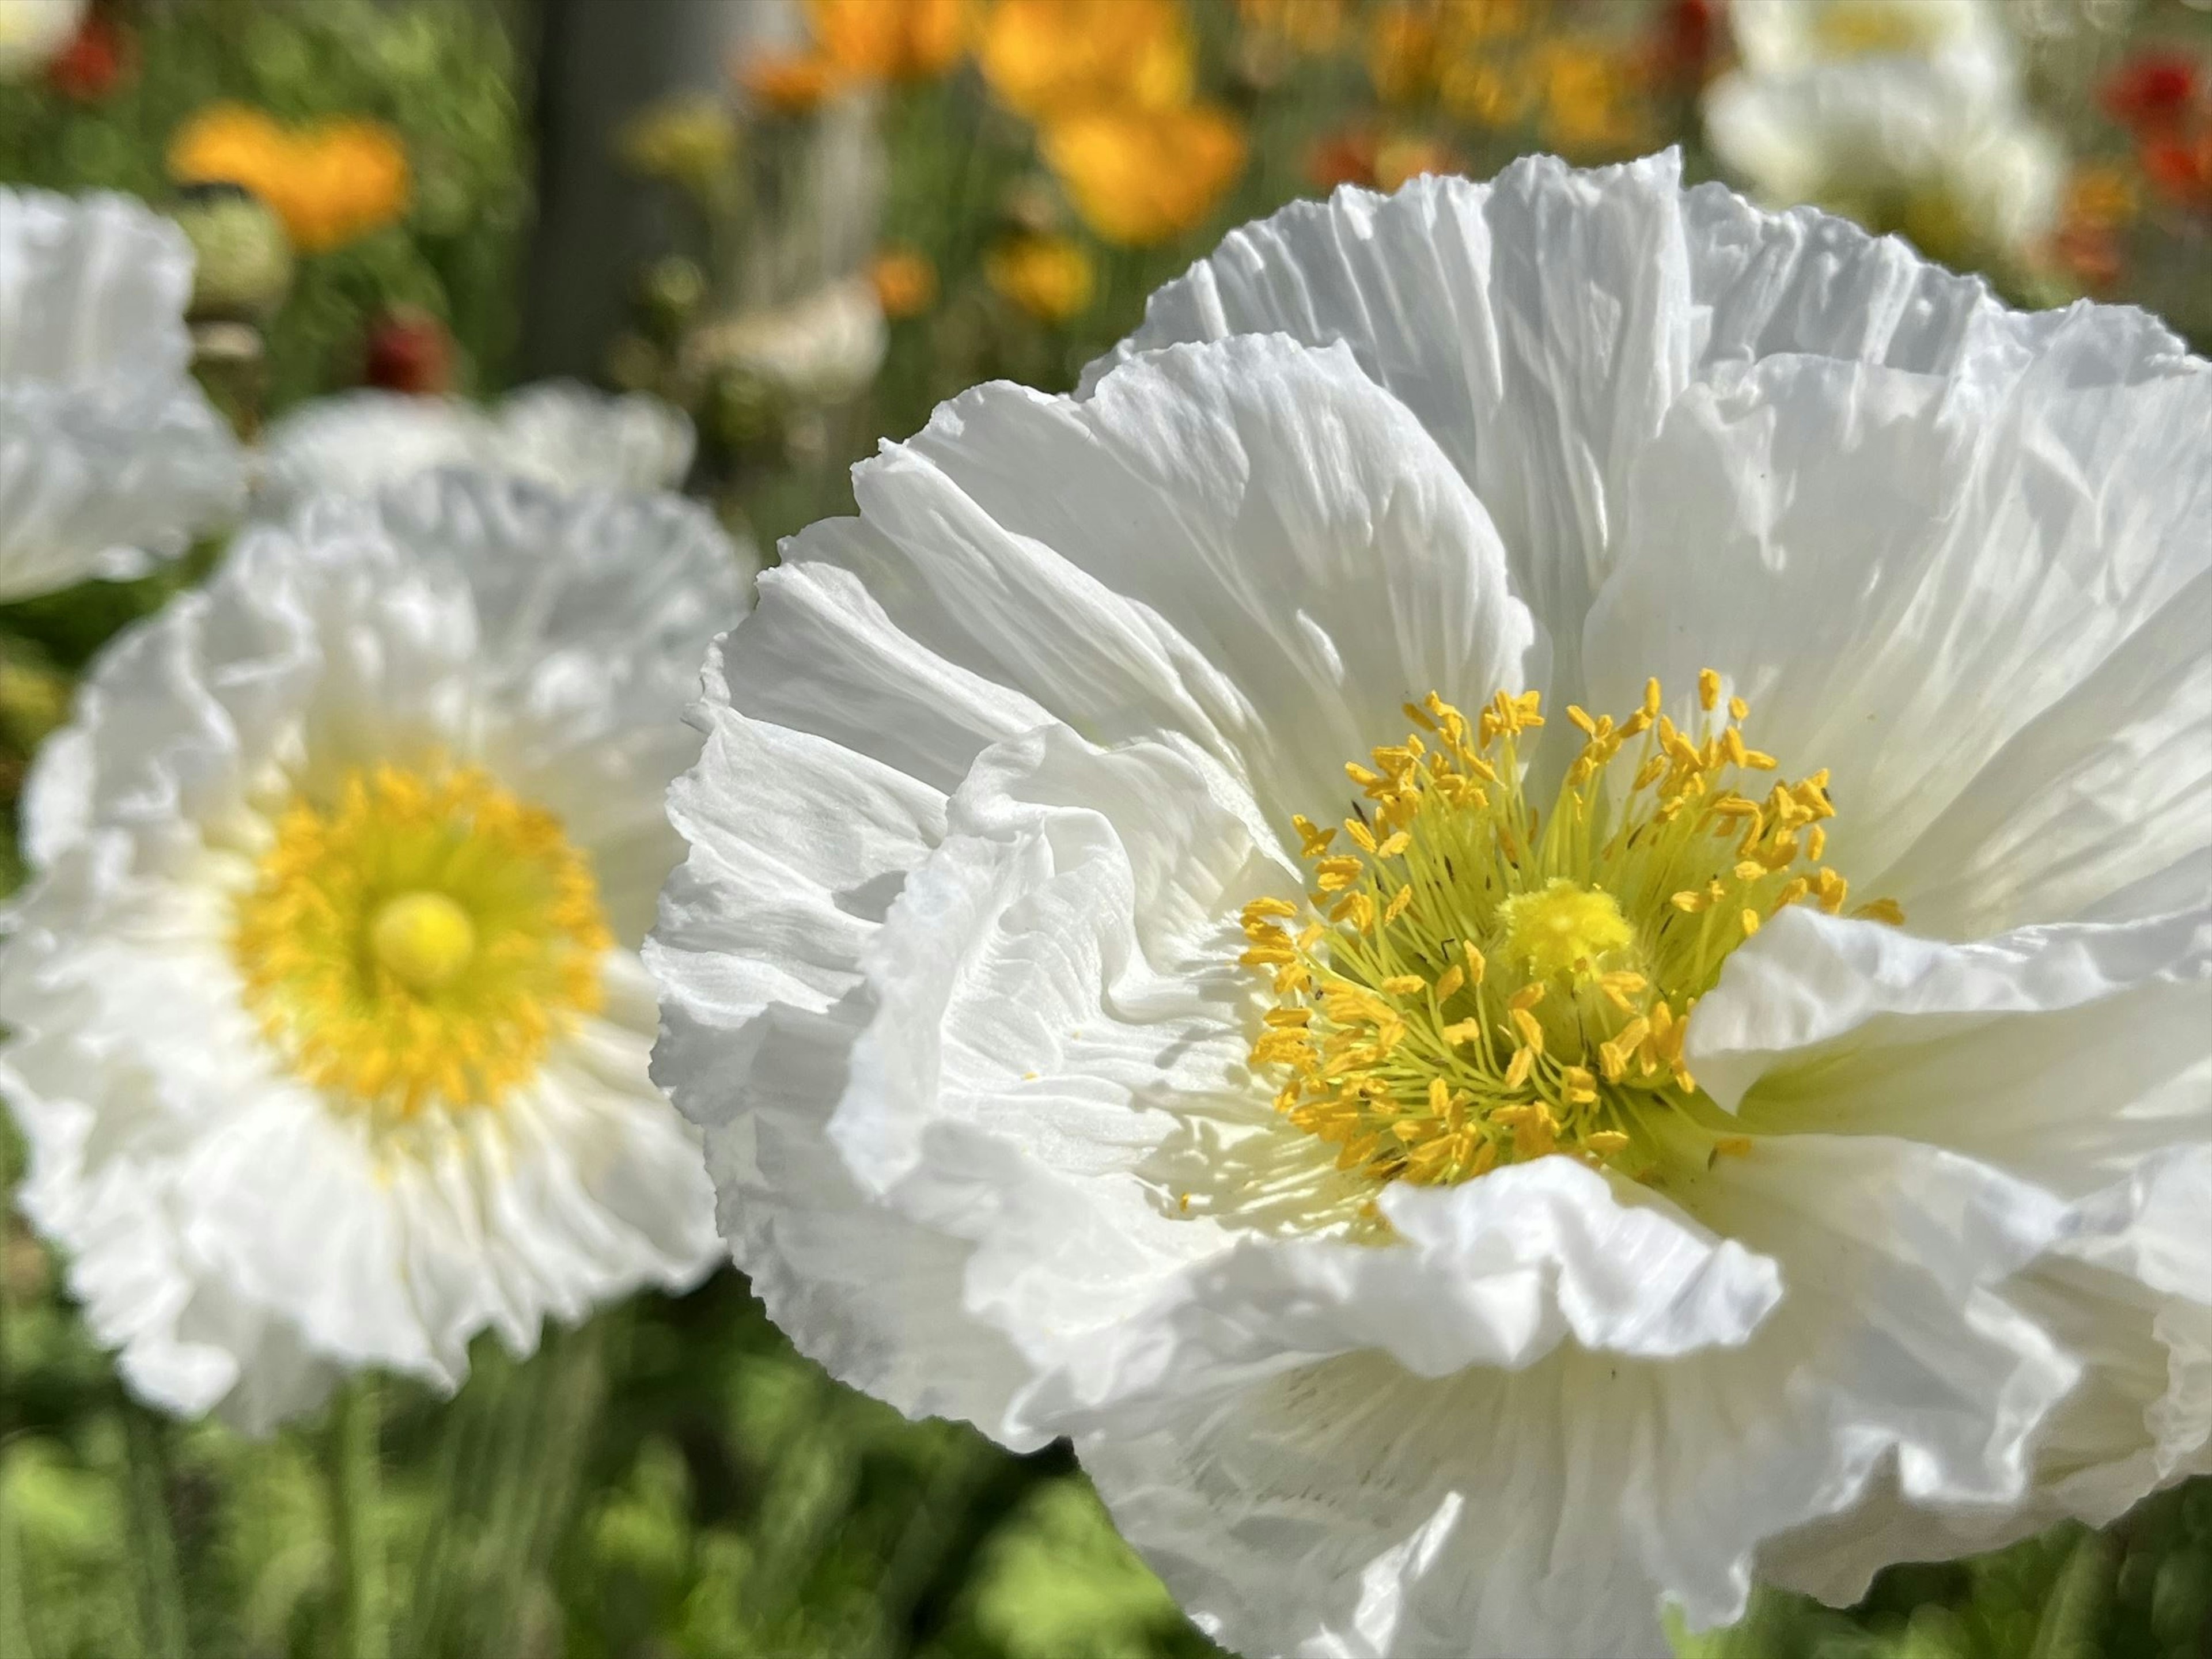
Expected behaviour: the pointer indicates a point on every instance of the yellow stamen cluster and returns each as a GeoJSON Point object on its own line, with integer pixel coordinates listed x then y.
{"type": "Point", "coordinates": [420, 938]}
{"type": "Point", "coordinates": [1471, 982]}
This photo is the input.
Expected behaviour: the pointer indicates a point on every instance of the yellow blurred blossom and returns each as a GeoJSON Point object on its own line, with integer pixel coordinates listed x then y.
{"type": "Point", "coordinates": [1047, 57]}
{"type": "Point", "coordinates": [905, 281]}
{"type": "Point", "coordinates": [1402, 51]}
{"type": "Point", "coordinates": [1589, 93]}
{"type": "Point", "coordinates": [787, 82]}
{"type": "Point", "coordinates": [331, 184]}
{"type": "Point", "coordinates": [1050, 277]}
{"type": "Point", "coordinates": [2100, 195]}
{"type": "Point", "coordinates": [891, 40]}
{"type": "Point", "coordinates": [1315, 26]}
{"type": "Point", "coordinates": [1414, 47]}
{"type": "Point", "coordinates": [689, 140]}
{"type": "Point", "coordinates": [1397, 160]}
{"type": "Point", "coordinates": [1140, 176]}
{"type": "Point", "coordinates": [1486, 93]}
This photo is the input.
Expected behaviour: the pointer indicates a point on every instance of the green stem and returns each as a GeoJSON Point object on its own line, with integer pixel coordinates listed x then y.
{"type": "Point", "coordinates": [355, 1426]}
{"type": "Point", "coordinates": [153, 1549]}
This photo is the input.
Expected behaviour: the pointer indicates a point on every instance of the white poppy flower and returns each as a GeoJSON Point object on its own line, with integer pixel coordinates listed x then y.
{"type": "Point", "coordinates": [34, 33]}
{"type": "Point", "coordinates": [1966, 39]}
{"type": "Point", "coordinates": [556, 432]}
{"type": "Point", "coordinates": [1069, 1064]}
{"type": "Point", "coordinates": [110, 455]}
{"type": "Point", "coordinates": [1898, 145]}
{"type": "Point", "coordinates": [328, 1034]}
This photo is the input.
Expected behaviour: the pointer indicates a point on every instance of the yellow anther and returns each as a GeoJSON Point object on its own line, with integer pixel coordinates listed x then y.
{"type": "Point", "coordinates": [1883, 910]}
{"type": "Point", "coordinates": [1709, 689]}
{"type": "Point", "coordinates": [1460, 1033]}
{"type": "Point", "coordinates": [1517, 1069]}
{"type": "Point", "coordinates": [1739, 709]}
{"type": "Point", "coordinates": [1394, 846]}
{"type": "Point", "coordinates": [1531, 1034]}
{"type": "Point", "coordinates": [1750, 923]}
{"type": "Point", "coordinates": [1405, 985]}
{"type": "Point", "coordinates": [1450, 980]}
{"type": "Point", "coordinates": [1606, 1143]}
{"type": "Point", "coordinates": [1527, 997]}
{"type": "Point", "coordinates": [1651, 697]}
{"type": "Point", "coordinates": [1733, 1146]}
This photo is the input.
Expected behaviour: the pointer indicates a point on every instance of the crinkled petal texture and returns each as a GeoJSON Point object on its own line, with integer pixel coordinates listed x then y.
{"type": "Point", "coordinates": [948, 974]}
{"type": "Point", "coordinates": [243, 1239]}
{"type": "Point", "coordinates": [556, 432]}
{"type": "Point", "coordinates": [110, 454]}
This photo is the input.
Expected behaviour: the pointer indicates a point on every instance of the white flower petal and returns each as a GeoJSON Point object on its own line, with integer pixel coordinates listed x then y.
{"type": "Point", "coordinates": [1233, 542]}
{"type": "Point", "coordinates": [2007, 563]}
{"type": "Point", "coordinates": [110, 455]}
{"type": "Point", "coordinates": [558, 433]}
{"type": "Point", "coordinates": [1351, 1506]}
{"type": "Point", "coordinates": [2063, 1053]}
{"type": "Point", "coordinates": [1449, 294]}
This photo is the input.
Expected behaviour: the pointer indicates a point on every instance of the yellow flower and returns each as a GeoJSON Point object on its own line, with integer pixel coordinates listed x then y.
{"type": "Point", "coordinates": [1047, 57]}
{"type": "Point", "coordinates": [905, 281]}
{"type": "Point", "coordinates": [1314, 26]}
{"type": "Point", "coordinates": [891, 40]}
{"type": "Point", "coordinates": [1050, 277]}
{"type": "Point", "coordinates": [331, 184]}
{"type": "Point", "coordinates": [1402, 51]}
{"type": "Point", "coordinates": [1141, 176]}
{"type": "Point", "coordinates": [1587, 98]}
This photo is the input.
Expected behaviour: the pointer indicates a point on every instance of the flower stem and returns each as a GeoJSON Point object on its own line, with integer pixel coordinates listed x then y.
{"type": "Point", "coordinates": [158, 1593]}
{"type": "Point", "coordinates": [358, 1541]}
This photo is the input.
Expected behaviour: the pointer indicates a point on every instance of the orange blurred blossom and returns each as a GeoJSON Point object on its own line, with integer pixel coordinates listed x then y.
{"type": "Point", "coordinates": [905, 281]}
{"type": "Point", "coordinates": [1050, 277]}
{"type": "Point", "coordinates": [1046, 58]}
{"type": "Point", "coordinates": [1140, 176]}
{"type": "Point", "coordinates": [332, 183]}
{"type": "Point", "coordinates": [891, 40]}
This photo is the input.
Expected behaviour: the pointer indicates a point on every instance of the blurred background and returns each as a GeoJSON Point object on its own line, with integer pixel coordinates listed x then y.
{"type": "Point", "coordinates": [804, 222]}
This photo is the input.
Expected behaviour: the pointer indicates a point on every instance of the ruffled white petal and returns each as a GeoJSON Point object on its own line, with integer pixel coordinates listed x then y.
{"type": "Point", "coordinates": [2005, 565]}
{"type": "Point", "coordinates": [558, 433]}
{"type": "Point", "coordinates": [1353, 1507]}
{"type": "Point", "coordinates": [243, 1241]}
{"type": "Point", "coordinates": [1449, 294]}
{"type": "Point", "coordinates": [110, 455]}
{"type": "Point", "coordinates": [1249, 545]}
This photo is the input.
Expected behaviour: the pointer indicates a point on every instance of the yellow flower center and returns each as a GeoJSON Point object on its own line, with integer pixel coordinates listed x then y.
{"type": "Point", "coordinates": [421, 940]}
{"type": "Point", "coordinates": [1472, 982]}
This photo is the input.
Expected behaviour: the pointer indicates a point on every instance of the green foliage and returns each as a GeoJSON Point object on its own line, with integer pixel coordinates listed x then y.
{"type": "Point", "coordinates": [442, 73]}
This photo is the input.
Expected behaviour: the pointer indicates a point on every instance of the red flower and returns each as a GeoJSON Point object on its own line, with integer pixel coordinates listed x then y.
{"type": "Point", "coordinates": [1684, 40]}
{"type": "Point", "coordinates": [409, 350]}
{"type": "Point", "coordinates": [100, 59]}
{"type": "Point", "coordinates": [2180, 165]}
{"type": "Point", "coordinates": [2152, 90]}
